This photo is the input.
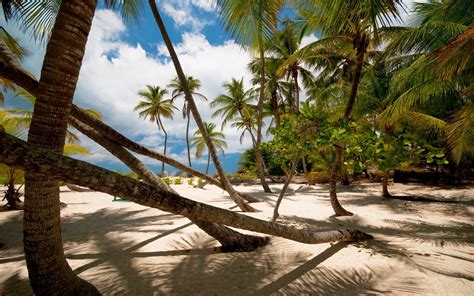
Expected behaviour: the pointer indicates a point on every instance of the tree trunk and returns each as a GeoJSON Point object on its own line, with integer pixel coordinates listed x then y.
{"type": "Point", "coordinates": [49, 273]}
{"type": "Point", "coordinates": [197, 117]}
{"type": "Point", "coordinates": [187, 138]}
{"type": "Point", "coordinates": [276, 113]}
{"type": "Point", "coordinates": [11, 195]}
{"type": "Point", "coordinates": [361, 49]}
{"type": "Point", "coordinates": [385, 192]}
{"type": "Point", "coordinates": [21, 155]}
{"type": "Point", "coordinates": [297, 89]}
{"type": "Point", "coordinates": [231, 240]}
{"type": "Point", "coordinates": [336, 167]}
{"type": "Point", "coordinates": [208, 161]}
{"type": "Point", "coordinates": [283, 190]}
{"type": "Point", "coordinates": [160, 125]}
{"type": "Point", "coordinates": [31, 86]}
{"type": "Point", "coordinates": [261, 99]}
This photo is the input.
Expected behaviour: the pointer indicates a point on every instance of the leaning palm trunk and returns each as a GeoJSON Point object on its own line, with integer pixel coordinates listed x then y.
{"type": "Point", "coordinates": [285, 187]}
{"type": "Point", "coordinates": [230, 240]}
{"type": "Point", "coordinates": [49, 273]}
{"type": "Point", "coordinates": [258, 152]}
{"type": "Point", "coordinates": [19, 154]}
{"type": "Point", "coordinates": [385, 192]}
{"type": "Point", "coordinates": [31, 85]}
{"type": "Point", "coordinates": [336, 167]}
{"type": "Point", "coordinates": [197, 117]}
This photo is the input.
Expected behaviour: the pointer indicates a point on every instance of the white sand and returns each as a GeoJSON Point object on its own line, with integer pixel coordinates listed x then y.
{"type": "Point", "coordinates": [124, 248]}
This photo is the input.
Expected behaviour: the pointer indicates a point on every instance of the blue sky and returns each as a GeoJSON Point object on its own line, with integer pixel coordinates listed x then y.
{"type": "Point", "coordinates": [122, 58]}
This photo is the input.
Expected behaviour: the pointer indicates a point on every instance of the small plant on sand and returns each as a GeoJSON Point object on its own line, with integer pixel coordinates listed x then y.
{"type": "Point", "coordinates": [191, 181]}
{"type": "Point", "coordinates": [167, 180]}
{"type": "Point", "coordinates": [200, 182]}
{"type": "Point", "coordinates": [178, 181]}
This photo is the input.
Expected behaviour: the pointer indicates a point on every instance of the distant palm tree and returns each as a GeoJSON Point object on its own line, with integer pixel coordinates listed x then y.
{"type": "Point", "coordinates": [217, 139]}
{"type": "Point", "coordinates": [177, 90]}
{"type": "Point", "coordinates": [155, 107]}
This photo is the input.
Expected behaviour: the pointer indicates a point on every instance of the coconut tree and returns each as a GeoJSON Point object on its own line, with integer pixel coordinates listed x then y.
{"type": "Point", "coordinates": [155, 107]}
{"type": "Point", "coordinates": [234, 195]}
{"type": "Point", "coordinates": [358, 24]}
{"type": "Point", "coordinates": [199, 143]}
{"type": "Point", "coordinates": [433, 91]}
{"type": "Point", "coordinates": [178, 91]}
{"type": "Point", "coordinates": [252, 23]}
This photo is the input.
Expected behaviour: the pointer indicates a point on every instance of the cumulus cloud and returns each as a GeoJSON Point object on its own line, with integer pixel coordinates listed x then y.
{"type": "Point", "coordinates": [187, 13]}
{"type": "Point", "coordinates": [114, 71]}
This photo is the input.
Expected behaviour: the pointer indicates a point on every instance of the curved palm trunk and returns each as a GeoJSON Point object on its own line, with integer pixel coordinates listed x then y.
{"type": "Point", "coordinates": [160, 125]}
{"type": "Point", "coordinates": [385, 192]}
{"type": "Point", "coordinates": [49, 273]}
{"type": "Point", "coordinates": [361, 49]}
{"type": "Point", "coordinates": [208, 162]}
{"type": "Point", "coordinates": [261, 99]}
{"type": "Point", "coordinates": [283, 190]}
{"type": "Point", "coordinates": [19, 154]}
{"type": "Point", "coordinates": [187, 138]}
{"type": "Point", "coordinates": [231, 240]}
{"type": "Point", "coordinates": [197, 117]}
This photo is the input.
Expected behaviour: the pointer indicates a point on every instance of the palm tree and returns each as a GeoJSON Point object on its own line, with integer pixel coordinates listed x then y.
{"type": "Point", "coordinates": [438, 73]}
{"type": "Point", "coordinates": [234, 195]}
{"type": "Point", "coordinates": [155, 107]}
{"type": "Point", "coordinates": [199, 143]}
{"type": "Point", "coordinates": [252, 23]}
{"type": "Point", "coordinates": [178, 91]}
{"type": "Point", "coordinates": [356, 23]}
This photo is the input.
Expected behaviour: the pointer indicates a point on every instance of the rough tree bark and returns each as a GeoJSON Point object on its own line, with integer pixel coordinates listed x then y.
{"type": "Point", "coordinates": [230, 240]}
{"type": "Point", "coordinates": [49, 273]}
{"type": "Point", "coordinates": [19, 154]}
{"type": "Point", "coordinates": [197, 117]}
{"type": "Point", "coordinates": [361, 44]}
{"type": "Point", "coordinates": [385, 192]}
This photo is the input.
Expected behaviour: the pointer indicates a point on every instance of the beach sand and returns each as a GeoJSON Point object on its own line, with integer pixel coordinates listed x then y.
{"type": "Point", "coordinates": [127, 249]}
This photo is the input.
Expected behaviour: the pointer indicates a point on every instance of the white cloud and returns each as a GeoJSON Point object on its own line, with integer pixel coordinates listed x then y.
{"type": "Point", "coordinates": [114, 71]}
{"type": "Point", "coordinates": [187, 13]}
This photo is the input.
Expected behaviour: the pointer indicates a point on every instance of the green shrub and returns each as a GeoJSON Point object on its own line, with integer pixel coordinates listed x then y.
{"type": "Point", "coordinates": [168, 181]}
{"type": "Point", "coordinates": [178, 181]}
{"type": "Point", "coordinates": [191, 181]}
{"type": "Point", "coordinates": [200, 182]}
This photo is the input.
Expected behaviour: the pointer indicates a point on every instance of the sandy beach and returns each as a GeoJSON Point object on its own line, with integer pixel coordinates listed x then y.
{"type": "Point", "coordinates": [127, 249]}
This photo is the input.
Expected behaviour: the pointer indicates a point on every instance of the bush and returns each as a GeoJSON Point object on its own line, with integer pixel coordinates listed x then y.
{"type": "Point", "coordinates": [191, 181]}
{"type": "Point", "coordinates": [178, 181]}
{"type": "Point", "coordinates": [200, 182]}
{"type": "Point", "coordinates": [168, 181]}
{"type": "Point", "coordinates": [318, 177]}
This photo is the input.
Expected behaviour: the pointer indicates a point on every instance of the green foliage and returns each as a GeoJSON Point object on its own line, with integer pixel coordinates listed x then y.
{"type": "Point", "coordinates": [168, 181]}
{"type": "Point", "coordinates": [200, 182]}
{"type": "Point", "coordinates": [191, 181]}
{"type": "Point", "coordinates": [177, 181]}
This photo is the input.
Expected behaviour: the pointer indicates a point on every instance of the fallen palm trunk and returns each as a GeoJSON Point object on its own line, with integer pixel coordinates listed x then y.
{"type": "Point", "coordinates": [19, 154]}
{"type": "Point", "coordinates": [76, 188]}
{"type": "Point", "coordinates": [230, 240]}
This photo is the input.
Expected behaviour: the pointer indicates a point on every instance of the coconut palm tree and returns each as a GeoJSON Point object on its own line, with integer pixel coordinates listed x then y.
{"type": "Point", "coordinates": [438, 73]}
{"type": "Point", "coordinates": [234, 195]}
{"type": "Point", "coordinates": [199, 143]}
{"type": "Point", "coordinates": [252, 23]}
{"type": "Point", "coordinates": [357, 24]}
{"type": "Point", "coordinates": [177, 90]}
{"type": "Point", "coordinates": [155, 107]}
